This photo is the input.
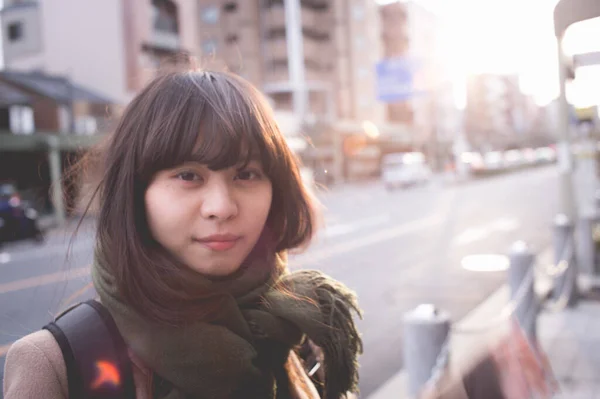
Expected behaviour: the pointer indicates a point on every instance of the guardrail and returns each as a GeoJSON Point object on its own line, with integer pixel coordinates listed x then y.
{"type": "Point", "coordinates": [427, 330]}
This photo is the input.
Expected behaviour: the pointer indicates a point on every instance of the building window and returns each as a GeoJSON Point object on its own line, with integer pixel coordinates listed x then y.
{"type": "Point", "coordinates": [86, 125]}
{"type": "Point", "coordinates": [64, 119]}
{"type": "Point", "coordinates": [209, 46]}
{"type": "Point", "coordinates": [165, 16]}
{"type": "Point", "coordinates": [21, 120]}
{"type": "Point", "coordinates": [232, 38]}
{"type": "Point", "coordinates": [15, 31]}
{"type": "Point", "coordinates": [314, 65]}
{"type": "Point", "coordinates": [230, 6]}
{"type": "Point", "coordinates": [276, 33]}
{"type": "Point", "coordinates": [314, 34]}
{"type": "Point", "coordinates": [210, 15]}
{"type": "Point", "coordinates": [271, 3]}
{"type": "Point", "coordinates": [278, 65]}
{"type": "Point", "coordinates": [317, 5]}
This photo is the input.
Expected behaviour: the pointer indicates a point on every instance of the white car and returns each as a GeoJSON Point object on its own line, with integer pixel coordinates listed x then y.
{"type": "Point", "coordinates": [493, 161]}
{"type": "Point", "coordinates": [514, 159]}
{"type": "Point", "coordinates": [404, 169]}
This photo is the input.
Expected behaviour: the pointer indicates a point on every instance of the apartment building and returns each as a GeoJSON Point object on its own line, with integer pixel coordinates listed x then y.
{"type": "Point", "coordinates": [111, 46]}
{"type": "Point", "coordinates": [314, 58]}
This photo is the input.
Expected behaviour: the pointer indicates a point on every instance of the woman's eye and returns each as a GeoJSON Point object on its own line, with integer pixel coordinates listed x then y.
{"type": "Point", "coordinates": [248, 175]}
{"type": "Point", "coordinates": [188, 176]}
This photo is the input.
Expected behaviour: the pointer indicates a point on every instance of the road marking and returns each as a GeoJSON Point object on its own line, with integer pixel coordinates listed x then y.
{"type": "Point", "coordinates": [45, 279]}
{"type": "Point", "coordinates": [350, 245]}
{"type": "Point", "coordinates": [28, 254]}
{"type": "Point", "coordinates": [479, 233]}
{"type": "Point", "coordinates": [4, 257]}
{"type": "Point", "coordinates": [346, 228]}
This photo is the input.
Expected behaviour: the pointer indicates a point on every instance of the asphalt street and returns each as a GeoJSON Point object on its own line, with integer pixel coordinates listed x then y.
{"type": "Point", "coordinates": [395, 249]}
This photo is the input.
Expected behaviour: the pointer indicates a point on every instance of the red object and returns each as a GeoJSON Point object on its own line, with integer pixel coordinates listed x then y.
{"type": "Point", "coordinates": [107, 374]}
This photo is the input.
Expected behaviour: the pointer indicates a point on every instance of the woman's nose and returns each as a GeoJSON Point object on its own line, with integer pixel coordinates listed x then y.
{"type": "Point", "coordinates": [219, 202]}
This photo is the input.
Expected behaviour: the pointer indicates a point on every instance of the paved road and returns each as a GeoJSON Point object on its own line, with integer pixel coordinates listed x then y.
{"type": "Point", "coordinates": [395, 249]}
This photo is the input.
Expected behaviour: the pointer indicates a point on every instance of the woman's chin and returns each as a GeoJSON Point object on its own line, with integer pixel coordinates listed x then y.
{"type": "Point", "coordinates": [221, 272]}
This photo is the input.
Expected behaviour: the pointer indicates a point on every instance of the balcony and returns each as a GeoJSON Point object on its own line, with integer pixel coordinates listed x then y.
{"type": "Point", "coordinates": [164, 33]}
{"type": "Point", "coordinates": [317, 21]}
{"type": "Point", "coordinates": [164, 40]}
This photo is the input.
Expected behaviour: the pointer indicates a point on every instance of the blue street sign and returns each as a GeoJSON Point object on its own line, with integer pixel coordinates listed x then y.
{"type": "Point", "coordinates": [395, 79]}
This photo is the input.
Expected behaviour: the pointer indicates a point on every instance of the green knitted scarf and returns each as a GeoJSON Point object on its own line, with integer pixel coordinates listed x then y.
{"type": "Point", "coordinates": [242, 354]}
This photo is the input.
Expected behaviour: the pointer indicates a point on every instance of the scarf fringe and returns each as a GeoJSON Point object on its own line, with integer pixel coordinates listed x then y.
{"type": "Point", "coordinates": [340, 339]}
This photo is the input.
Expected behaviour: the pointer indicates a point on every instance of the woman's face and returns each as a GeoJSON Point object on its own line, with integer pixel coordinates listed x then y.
{"type": "Point", "coordinates": [209, 220]}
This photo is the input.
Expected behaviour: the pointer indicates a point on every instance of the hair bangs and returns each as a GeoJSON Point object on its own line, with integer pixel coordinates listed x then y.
{"type": "Point", "coordinates": [203, 118]}
{"type": "Point", "coordinates": [225, 142]}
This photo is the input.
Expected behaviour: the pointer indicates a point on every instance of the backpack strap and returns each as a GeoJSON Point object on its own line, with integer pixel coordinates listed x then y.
{"type": "Point", "coordinates": [95, 354]}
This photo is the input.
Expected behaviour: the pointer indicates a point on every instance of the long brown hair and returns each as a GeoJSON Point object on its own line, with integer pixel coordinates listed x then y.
{"type": "Point", "coordinates": [160, 129]}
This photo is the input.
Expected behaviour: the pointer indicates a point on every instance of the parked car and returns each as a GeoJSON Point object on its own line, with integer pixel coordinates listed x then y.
{"type": "Point", "coordinates": [473, 161]}
{"type": "Point", "coordinates": [514, 159]}
{"type": "Point", "coordinates": [18, 219]}
{"type": "Point", "coordinates": [404, 169]}
{"type": "Point", "coordinates": [545, 155]}
{"type": "Point", "coordinates": [494, 161]}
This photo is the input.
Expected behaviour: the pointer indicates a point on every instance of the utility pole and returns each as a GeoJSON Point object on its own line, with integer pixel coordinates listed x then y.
{"type": "Point", "coordinates": [567, 204]}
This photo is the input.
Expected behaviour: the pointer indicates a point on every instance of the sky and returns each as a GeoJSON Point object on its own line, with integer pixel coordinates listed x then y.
{"type": "Point", "coordinates": [515, 36]}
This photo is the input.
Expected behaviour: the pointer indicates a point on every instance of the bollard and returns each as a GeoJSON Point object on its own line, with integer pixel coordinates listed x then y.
{"type": "Point", "coordinates": [565, 283]}
{"type": "Point", "coordinates": [586, 253]}
{"type": "Point", "coordinates": [522, 261]}
{"type": "Point", "coordinates": [426, 332]}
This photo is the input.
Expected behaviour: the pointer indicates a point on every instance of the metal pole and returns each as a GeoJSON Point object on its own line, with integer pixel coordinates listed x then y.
{"type": "Point", "coordinates": [522, 261]}
{"type": "Point", "coordinates": [586, 254]}
{"type": "Point", "coordinates": [55, 166]}
{"type": "Point", "coordinates": [565, 283]}
{"type": "Point", "coordinates": [565, 159]}
{"type": "Point", "coordinates": [426, 332]}
{"type": "Point", "coordinates": [295, 55]}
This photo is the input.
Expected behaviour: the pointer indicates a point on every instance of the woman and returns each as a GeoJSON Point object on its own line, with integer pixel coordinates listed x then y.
{"type": "Point", "coordinates": [199, 202]}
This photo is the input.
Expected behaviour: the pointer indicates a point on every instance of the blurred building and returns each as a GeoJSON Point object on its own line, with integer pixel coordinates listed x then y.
{"type": "Point", "coordinates": [313, 58]}
{"type": "Point", "coordinates": [498, 115]}
{"type": "Point", "coordinates": [412, 33]}
{"type": "Point", "coordinates": [44, 121]}
{"type": "Point", "coordinates": [111, 46]}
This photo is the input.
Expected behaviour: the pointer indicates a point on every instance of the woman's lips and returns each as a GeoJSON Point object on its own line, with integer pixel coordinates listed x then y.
{"type": "Point", "coordinates": [219, 245]}
{"type": "Point", "coordinates": [220, 242]}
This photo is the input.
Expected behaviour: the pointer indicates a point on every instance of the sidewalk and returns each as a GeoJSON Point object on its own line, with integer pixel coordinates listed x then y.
{"type": "Point", "coordinates": [570, 338]}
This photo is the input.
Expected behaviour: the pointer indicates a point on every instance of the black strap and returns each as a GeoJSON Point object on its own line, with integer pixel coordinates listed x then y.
{"type": "Point", "coordinates": [92, 346]}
